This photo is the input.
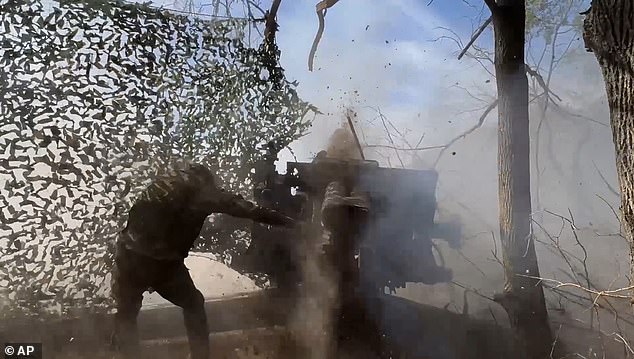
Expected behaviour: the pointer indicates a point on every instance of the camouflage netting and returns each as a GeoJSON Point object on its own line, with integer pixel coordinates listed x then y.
{"type": "Point", "coordinates": [97, 97]}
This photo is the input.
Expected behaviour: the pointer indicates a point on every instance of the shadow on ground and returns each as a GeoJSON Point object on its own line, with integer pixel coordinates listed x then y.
{"type": "Point", "coordinates": [252, 326]}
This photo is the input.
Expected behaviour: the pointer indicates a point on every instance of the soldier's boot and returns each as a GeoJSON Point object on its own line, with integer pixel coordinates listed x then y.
{"type": "Point", "coordinates": [125, 337]}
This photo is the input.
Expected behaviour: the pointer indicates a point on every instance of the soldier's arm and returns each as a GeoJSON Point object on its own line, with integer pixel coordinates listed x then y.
{"type": "Point", "coordinates": [237, 206]}
{"type": "Point", "coordinates": [220, 201]}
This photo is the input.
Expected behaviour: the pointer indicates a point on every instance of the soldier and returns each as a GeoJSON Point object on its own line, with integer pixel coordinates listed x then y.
{"type": "Point", "coordinates": [162, 226]}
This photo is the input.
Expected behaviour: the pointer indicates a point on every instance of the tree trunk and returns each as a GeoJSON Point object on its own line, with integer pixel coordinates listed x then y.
{"type": "Point", "coordinates": [609, 33]}
{"type": "Point", "coordinates": [523, 297]}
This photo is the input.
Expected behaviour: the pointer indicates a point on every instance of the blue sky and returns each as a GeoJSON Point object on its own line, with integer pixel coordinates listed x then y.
{"type": "Point", "coordinates": [387, 54]}
{"type": "Point", "coordinates": [394, 55]}
{"type": "Point", "coordinates": [394, 64]}
{"type": "Point", "coordinates": [379, 54]}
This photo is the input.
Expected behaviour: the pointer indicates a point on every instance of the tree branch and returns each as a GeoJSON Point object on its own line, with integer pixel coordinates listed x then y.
{"type": "Point", "coordinates": [472, 290]}
{"type": "Point", "coordinates": [493, 6]}
{"type": "Point", "coordinates": [251, 3]}
{"type": "Point", "coordinates": [389, 136]}
{"type": "Point", "coordinates": [541, 82]}
{"type": "Point", "coordinates": [322, 7]}
{"type": "Point", "coordinates": [469, 131]}
{"type": "Point", "coordinates": [271, 25]}
{"type": "Point", "coordinates": [406, 148]}
{"type": "Point", "coordinates": [612, 189]}
{"type": "Point", "coordinates": [615, 293]}
{"type": "Point", "coordinates": [475, 37]}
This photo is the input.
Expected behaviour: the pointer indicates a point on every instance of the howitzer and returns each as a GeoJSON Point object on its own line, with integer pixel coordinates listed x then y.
{"type": "Point", "coordinates": [380, 222]}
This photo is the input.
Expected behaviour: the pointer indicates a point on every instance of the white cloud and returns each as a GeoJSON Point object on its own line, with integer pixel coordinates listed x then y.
{"type": "Point", "coordinates": [367, 56]}
{"type": "Point", "coordinates": [421, 15]}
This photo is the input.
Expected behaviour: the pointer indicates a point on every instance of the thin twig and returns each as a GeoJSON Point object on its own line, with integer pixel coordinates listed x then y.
{"type": "Point", "coordinates": [627, 345]}
{"type": "Point", "coordinates": [561, 252]}
{"type": "Point", "coordinates": [420, 140]}
{"type": "Point", "coordinates": [405, 148]}
{"type": "Point", "coordinates": [562, 217]}
{"type": "Point", "coordinates": [471, 262]}
{"type": "Point", "coordinates": [389, 135]}
{"type": "Point", "coordinates": [618, 218]}
{"type": "Point", "coordinates": [472, 290]}
{"type": "Point", "coordinates": [494, 251]}
{"type": "Point", "coordinates": [252, 3]}
{"type": "Point", "coordinates": [469, 131]}
{"type": "Point", "coordinates": [445, 37]}
{"type": "Point", "coordinates": [541, 82]}
{"type": "Point", "coordinates": [604, 293]}
{"type": "Point", "coordinates": [456, 37]}
{"type": "Point", "coordinates": [552, 350]}
{"type": "Point", "coordinates": [495, 320]}
{"type": "Point", "coordinates": [612, 189]}
{"type": "Point", "coordinates": [566, 294]}
{"type": "Point", "coordinates": [568, 112]}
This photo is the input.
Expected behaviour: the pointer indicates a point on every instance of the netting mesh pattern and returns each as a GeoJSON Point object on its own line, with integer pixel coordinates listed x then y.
{"type": "Point", "coordinates": [98, 97]}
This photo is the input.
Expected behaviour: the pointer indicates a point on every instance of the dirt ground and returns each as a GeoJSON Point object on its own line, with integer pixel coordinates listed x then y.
{"type": "Point", "coordinates": [422, 332]}
{"type": "Point", "coordinates": [261, 343]}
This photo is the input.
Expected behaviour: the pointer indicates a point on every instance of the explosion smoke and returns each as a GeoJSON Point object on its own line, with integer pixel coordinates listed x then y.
{"type": "Point", "coordinates": [341, 144]}
{"type": "Point", "coordinates": [313, 323]}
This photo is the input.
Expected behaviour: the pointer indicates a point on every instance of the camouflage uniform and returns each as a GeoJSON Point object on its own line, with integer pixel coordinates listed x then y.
{"type": "Point", "coordinates": [162, 227]}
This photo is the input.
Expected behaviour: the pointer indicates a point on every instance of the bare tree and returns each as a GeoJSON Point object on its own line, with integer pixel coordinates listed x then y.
{"type": "Point", "coordinates": [609, 34]}
{"type": "Point", "coordinates": [523, 296]}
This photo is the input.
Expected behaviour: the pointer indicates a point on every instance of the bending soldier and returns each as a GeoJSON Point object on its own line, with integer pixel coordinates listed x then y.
{"type": "Point", "coordinates": [162, 226]}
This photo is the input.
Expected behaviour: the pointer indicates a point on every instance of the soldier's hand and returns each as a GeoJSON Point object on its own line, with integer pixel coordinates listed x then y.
{"type": "Point", "coordinates": [289, 222]}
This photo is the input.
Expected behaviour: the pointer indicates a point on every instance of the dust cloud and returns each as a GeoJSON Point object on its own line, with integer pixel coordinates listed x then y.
{"type": "Point", "coordinates": [312, 324]}
{"type": "Point", "coordinates": [575, 205]}
{"type": "Point", "coordinates": [342, 144]}
{"type": "Point", "coordinates": [412, 97]}
{"type": "Point", "coordinates": [401, 124]}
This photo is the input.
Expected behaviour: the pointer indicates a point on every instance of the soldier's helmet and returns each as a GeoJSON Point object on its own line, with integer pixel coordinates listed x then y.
{"type": "Point", "coordinates": [199, 173]}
